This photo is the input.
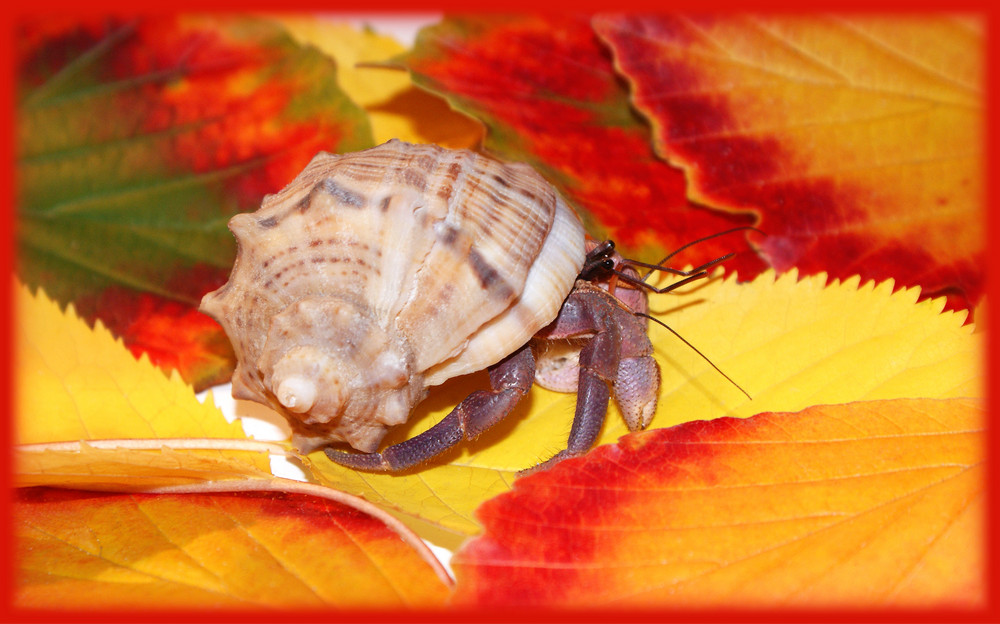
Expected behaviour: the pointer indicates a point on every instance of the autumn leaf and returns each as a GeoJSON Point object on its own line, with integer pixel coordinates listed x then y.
{"type": "Point", "coordinates": [221, 532]}
{"type": "Point", "coordinates": [859, 357]}
{"type": "Point", "coordinates": [859, 505]}
{"type": "Point", "coordinates": [248, 548]}
{"type": "Point", "coordinates": [140, 466]}
{"type": "Point", "coordinates": [174, 336]}
{"type": "Point", "coordinates": [369, 74]}
{"type": "Point", "coordinates": [137, 140]}
{"type": "Point", "coordinates": [548, 93]}
{"type": "Point", "coordinates": [857, 139]}
{"type": "Point", "coordinates": [145, 429]}
{"type": "Point", "coordinates": [790, 343]}
{"type": "Point", "coordinates": [80, 383]}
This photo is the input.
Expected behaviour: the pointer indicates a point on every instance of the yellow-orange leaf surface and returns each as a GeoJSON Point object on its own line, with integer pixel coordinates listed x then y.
{"type": "Point", "coordinates": [858, 139]}
{"type": "Point", "coordinates": [85, 550]}
{"type": "Point", "coordinates": [790, 343]}
{"type": "Point", "coordinates": [366, 72]}
{"type": "Point", "coordinates": [76, 383]}
{"type": "Point", "coordinates": [865, 504]}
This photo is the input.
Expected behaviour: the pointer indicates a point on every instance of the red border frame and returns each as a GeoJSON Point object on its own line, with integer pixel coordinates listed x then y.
{"type": "Point", "coordinates": [991, 613]}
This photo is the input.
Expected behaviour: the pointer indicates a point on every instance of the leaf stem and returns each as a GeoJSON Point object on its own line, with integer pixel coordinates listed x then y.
{"type": "Point", "coordinates": [152, 444]}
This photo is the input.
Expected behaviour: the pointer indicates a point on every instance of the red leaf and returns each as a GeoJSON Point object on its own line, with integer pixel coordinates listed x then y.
{"type": "Point", "coordinates": [547, 90]}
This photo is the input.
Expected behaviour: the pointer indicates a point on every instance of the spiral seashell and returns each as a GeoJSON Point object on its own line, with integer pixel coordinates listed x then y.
{"type": "Point", "coordinates": [376, 274]}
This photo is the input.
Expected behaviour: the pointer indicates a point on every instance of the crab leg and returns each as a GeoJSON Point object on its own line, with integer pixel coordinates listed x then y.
{"type": "Point", "coordinates": [599, 359]}
{"type": "Point", "coordinates": [598, 369]}
{"type": "Point", "coordinates": [511, 379]}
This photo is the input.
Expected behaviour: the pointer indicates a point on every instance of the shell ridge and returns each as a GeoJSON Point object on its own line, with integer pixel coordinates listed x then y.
{"type": "Point", "coordinates": [456, 243]}
{"type": "Point", "coordinates": [551, 277]}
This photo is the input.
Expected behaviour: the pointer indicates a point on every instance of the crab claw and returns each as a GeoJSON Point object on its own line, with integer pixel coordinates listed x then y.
{"type": "Point", "coordinates": [636, 389]}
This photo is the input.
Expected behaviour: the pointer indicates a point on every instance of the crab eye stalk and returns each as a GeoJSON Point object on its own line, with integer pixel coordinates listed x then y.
{"type": "Point", "coordinates": [599, 261]}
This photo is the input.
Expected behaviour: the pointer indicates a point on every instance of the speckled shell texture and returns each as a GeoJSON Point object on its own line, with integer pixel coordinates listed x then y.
{"type": "Point", "coordinates": [375, 274]}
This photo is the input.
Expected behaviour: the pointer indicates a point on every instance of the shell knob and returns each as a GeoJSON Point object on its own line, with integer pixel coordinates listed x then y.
{"type": "Point", "coordinates": [297, 394]}
{"type": "Point", "coordinates": [330, 364]}
{"type": "Point", "coordinates": [297, 378]}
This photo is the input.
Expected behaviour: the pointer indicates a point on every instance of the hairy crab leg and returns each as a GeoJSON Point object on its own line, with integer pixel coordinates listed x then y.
{"type": "Point", "coordinates": [511, 378]}
{"type": "Point", "coordinates": [599, 360]}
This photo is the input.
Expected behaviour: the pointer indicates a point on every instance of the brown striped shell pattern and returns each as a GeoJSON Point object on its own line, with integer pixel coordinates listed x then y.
{"type": "Point", "coordinates": [376, 274]}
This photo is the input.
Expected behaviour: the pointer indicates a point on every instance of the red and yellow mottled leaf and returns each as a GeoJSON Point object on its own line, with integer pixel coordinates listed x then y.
{"type": "Point", "coordinates": [173, 335]}
{"type": "Point", "coordinates": [790, 343]}
{"type": "Point", "coordinates": [864, 504]}
{"type": "Point", "coordinates": [137, 139]}
{"type": "Point", "coordinates": [857, 139]}
{"type": "Point", "coordinates": [84, 550]}
{"type": "Point", "coordinates": [547, 91]}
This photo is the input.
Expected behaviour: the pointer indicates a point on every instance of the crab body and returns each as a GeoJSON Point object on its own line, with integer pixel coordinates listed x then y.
{"type": "Point", "coordinates": [557, 350]}
{"type": "Point", "coordinates": [375, 275]}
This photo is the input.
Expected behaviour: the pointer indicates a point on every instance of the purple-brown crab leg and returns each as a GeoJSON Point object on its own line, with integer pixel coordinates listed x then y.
{"type": "Point", "coordinates": [584, 313]}
{"type": "Point", "coordinates": [510, 378]}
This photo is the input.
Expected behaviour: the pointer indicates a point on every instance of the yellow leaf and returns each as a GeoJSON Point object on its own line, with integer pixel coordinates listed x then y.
{"type": "Point", "coordinates": [790, 343]}
{"type": "Point", "coordinates": [396, 108]}
{"type": "Point", "coordinates": [274, 544]}
{"type": "Point", "coordinates": [75, 383]}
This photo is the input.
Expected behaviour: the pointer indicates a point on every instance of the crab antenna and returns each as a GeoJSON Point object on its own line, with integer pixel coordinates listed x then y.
{"type": "Point", "coordinates": [695, 349]}
{"type": "Point", "coordinates": [672, 271]}
{"type": "Point", "coordinates": [625, 277]}
{"type": "Point", "coordinates": [658, 266]}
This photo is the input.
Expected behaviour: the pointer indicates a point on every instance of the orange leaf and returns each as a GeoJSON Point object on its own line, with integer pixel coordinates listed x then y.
{"type": "Point", "coordinates": [246, 548]}
{"type": "Point", "coordinates": [869, 503]}
{"type": "Point", "coordinates": [857, 139]}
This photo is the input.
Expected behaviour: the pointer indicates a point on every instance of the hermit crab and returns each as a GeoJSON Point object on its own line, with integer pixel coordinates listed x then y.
{"type": "Point", "coordinates": [377, 274]}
